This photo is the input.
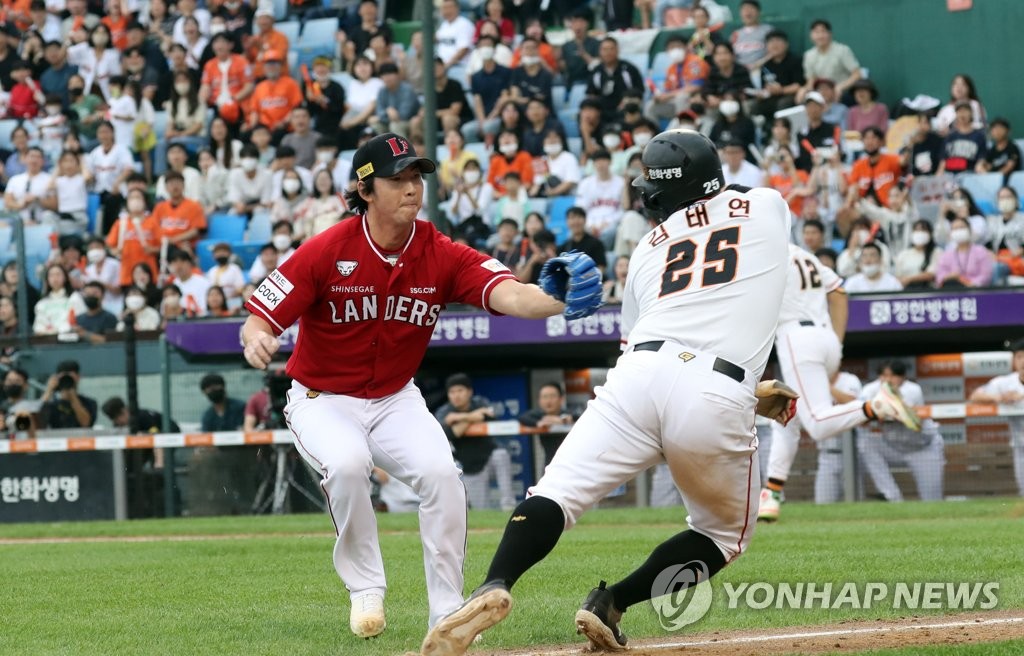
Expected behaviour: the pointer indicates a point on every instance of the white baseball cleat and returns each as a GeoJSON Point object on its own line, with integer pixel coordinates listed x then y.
{"type": "Point", "coordinates": [452, 636]}
{"type": "Point", "coordinates": [887, 405]}
{"type": "Point", "coordinates": [769, 506]}
{"type": "Point", "coordinates": [367, 617]}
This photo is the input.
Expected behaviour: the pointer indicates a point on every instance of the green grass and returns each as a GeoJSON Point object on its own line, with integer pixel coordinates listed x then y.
{"type": "Point", "coordinates": [276, 592]}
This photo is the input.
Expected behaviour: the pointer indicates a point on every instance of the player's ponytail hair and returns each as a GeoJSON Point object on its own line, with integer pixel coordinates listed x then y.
{"type": "Point", "coordinates": [355, 202]}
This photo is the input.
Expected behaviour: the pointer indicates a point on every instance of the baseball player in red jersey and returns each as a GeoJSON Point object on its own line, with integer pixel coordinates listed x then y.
{"type": "Point", "coordinates": [683, 391]}
{"type": "Point", "coordinates": [367, 294]}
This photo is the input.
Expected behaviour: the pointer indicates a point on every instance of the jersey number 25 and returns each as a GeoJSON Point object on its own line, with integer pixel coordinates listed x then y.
{"type": "Point", "coordinates": [720, 259]}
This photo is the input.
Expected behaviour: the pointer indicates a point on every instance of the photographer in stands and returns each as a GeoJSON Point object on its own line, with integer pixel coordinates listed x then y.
{"type": "Point", "coordinates": [17, 411]}
{"type": "Point", "coordinates": [63, 406]}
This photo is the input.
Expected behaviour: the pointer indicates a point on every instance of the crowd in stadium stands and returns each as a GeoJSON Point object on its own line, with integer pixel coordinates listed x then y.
{"type": "Point", "coordinates": [166, 157]}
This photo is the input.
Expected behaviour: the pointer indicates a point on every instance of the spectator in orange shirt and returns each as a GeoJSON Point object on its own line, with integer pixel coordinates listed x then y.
{"type": "Point", "coordinates": [181, 219]}
{"type": "Point", "coordinates": [685, 75]}
{"type": "Point", "coordinates": [135, 237]}
{"type": "Point", "coordinates": [228, 92]}
{"type": "Point", "coordinates": [267, 40]}
{"type": "Point", "coordinates": [274, 98]}
{"type": "Point", "coordinates": [791, 182]}
{"type": "Point", "coordinates": [509, 158]}
{"type": "Point", "coordinates": [117, 22]}
{"type": "Point", "coordinates": [534, 29]}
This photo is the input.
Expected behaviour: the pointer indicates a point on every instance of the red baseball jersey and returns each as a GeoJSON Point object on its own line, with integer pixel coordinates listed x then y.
{"type": "Point", "coordinates": [365, 323]}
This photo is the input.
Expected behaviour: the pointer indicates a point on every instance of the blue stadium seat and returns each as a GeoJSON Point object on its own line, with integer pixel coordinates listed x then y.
{"type": "Point", "coordinates": [640, 60]}
{"type": "Point", "coordinates": [1017, 182]}
{"type": "Point", "coordinates": [659, 67]}
{"type": "Point", "coordinates": [92, 208]}
{"type": "Point", "coordinates": [483, 154]}
{"type": "Point", "coordinates": [160, 124]}
{"type": "Point", "coordinates": [318, 38]}
{"type": "Point", "coordinates": [259, 228]}
{"type": "Point", "coordinates": [575, 146]}
{"type": "Point", "coordinates": [557, 209]}
{"type": "Point", "coordinates": [204, 249]}
{"type": "Point", "coordinates": [37, 241]}
{"type": "Point", "coordinates": [291, 30]}
{"type": "Point", "coordinates": [247, 253]}
{"type": "Point", "coordinates": [576, 95]}
{"type": "Point", "coordinates": [6, 128]}
{"type": "Point", "coordinates": [280, 11]}
{"type": "Point", "coordinates": [226, 227]}
{"type": "Point", "coordinates": [568, 119]}
{"type": "Point", "coordinates": [344, 79]}
{"type": "Point", "coordinates": [982, 186]}
{"type": "Point", "coordinates": [558, 97]}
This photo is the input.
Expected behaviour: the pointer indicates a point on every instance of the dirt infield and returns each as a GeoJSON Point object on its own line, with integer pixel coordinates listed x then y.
{"type": "Point", "coordinates": [848, 636]}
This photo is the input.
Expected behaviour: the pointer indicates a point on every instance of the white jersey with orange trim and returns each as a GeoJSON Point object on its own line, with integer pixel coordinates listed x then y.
{"type": "Point", "coordinates": [807, 287]}
{"type": "Point", "coordinates": [712, 277]}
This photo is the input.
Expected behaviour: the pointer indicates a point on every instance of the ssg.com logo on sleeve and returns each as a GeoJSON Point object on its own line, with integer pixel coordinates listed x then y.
{"type": "Point", "coordinates": [681, 595]}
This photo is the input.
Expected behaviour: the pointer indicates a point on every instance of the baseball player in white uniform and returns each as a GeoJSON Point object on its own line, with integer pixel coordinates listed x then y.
{"type": "Point", "coordinates": [828, 480]}
{"type": "Point", "coordinates": [1009, 389]}
{"type": "Point", "coordinates": [809, 347]}
{"type": "Point", "coordinates": [886, 444]}
{"type": "Point", "coordinates": [683, 391]}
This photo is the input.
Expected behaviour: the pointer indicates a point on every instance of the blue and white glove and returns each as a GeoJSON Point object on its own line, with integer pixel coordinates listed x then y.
{"type": "Point", "coordinates": [575, 280]}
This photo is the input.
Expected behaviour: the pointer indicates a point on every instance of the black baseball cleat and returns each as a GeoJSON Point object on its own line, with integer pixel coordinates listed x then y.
{"type": "Point", "coordinates": [452, 636]}
{"type": "Point", "coordinates": [598, 619]}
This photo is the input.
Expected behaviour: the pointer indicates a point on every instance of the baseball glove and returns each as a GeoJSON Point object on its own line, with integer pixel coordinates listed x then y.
{"type": "Point", "coordinates": [575, 280]}
{"type": "Point", "coordinates": [776, 400]}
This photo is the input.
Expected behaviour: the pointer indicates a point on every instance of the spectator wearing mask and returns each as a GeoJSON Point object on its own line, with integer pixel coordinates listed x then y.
{"type": "Point", "coordinates": [93, 325]}
{"type": "Point", "coordinates": [558, 171]}
{"type": "Point", "coordinates": [471, 195]}
{"type": "Point", "coordinates": [225, 274]}
{"type": "Point", "coordinates": [480, 457]}
{"type": "Point", "coordinates": [97, 60]}
{"type": "Point", "coordinates": [397, 103]}
{"type": "Point", "coordinates": [530, 79]}
{"type": "Point", "coordinates": [734, 125]}
{"type": "Point", "coordinates": [737, 169]}
{"type": "Point", "coordinates": [686, 76]}
{"type": "Point", "coordinates": [225, 413]}
{"type": "Point", "coordinates": [490, 87]}
{"type": "Point", "coordinates": [538, 123]}
{"type": "Point", "coordinates": [1006, 236]}
{"type": "Point", "coordinates": [509, 158]}
{"type": "Point", "coordinates": [868, 112]}
{"type": "Point", "coordinates": [600, 196]}
{"type": "Point", "coordinates": [726, 75]}
{"type": "Point", "coordinates": [580, 240]}
{"type": "Point", "coordinates": [749, 41]}
{"type": "Point", "coordinates": [285, 160]}
{"type": "Point", "coordinates": [871, 277]}
{"type": "Point", "coordinates": [275, 97]}
{"type": "Point", "coordinates": [182, 220]}
{"type": "Point", "coordinates": [613, 79]}
{"type": "Point", "coordinates": [782, 76]}
{"type": "Point", "coordinates": [293, 194]}
{"type": "Point", "coordinates": [549, 414]}
{"type": "Point", "coordinates": [1004, 155]}
{"type": "Point", "coordinates": [494, 13]}
{"type": "Point", "coordinates": [916, 264]}
{"type": "Point", "coordinates": [830, 60]}
{"type": "Point", "coordinates": [963, 263]}
{"type": "Point", "coordinates": [965, 145]}
{"type": "Point", "coordinates": [15, 398]}
{"type": "Point", "coordinates": [105, 271]}
{"type": "Point", "coordinates": [924, 152]}
{"type": "Point", "coordinates": [249, 184]}
{"type": "Point", "coordinates": [135, 237]}
{"type": "Point", "coordinates": [501, 53]}
{"type": "Point", "coordinates": [171, 308]}
{"type": "Point", "coordinates": [135, 303]}
{"type": "Point", "coordinates": [282, 240]}
{"type": "Point", "coordinates": [862, 232]}
{"type": "Point", "coordinates": [450, 167]}
{"type": "Point", "coordinates": [960, 204]}
{"type": "Point", "coordinates": [63, 406]}
{"type": "Point", "coordinates": [191, 284]}
{"type": "Point", "coordinates": [961, 90]}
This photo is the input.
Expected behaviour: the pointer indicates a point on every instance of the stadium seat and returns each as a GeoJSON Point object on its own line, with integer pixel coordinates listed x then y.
{"type": "Point", "coordinates": [558, 97]}
{"type": "Point", "coordinates": [6, 128]}
{"type": "Point", "coordinates": [318, 39]}
{"type": "Point", "coordinates": [483, 154]}
{"type": "Point", "coordinates": [576, 95]}
{"type": "Point", "coordinates": [92, 208]}
{"type": "Point", "coordinates": [982, 186]}
{"type": "Point", "coordinates": [640, 60]}
{"type": "Point", "coordinates": [6, 235]}
{"type": "Point", "coordinates": [1017, 182]}
{"type": "Point", "coordinates": [344, 79]}
{"type": "Point", "coordinates": [37, 241]}
{"type": "Point", "coordinates": [659, 67]}
{"type": "Point", "coordinates": [557, 209]}
{"type": "Point", "coordinates": [259, 228]}
{"type": "Point", "coordinates": [568, 119]}
{"type": "Point", "coordinates": [540, 206]}
{"type": "Point", "coordinates": [160, 124]}
{"type": "Point", "coordinates": [575, 145]}
{"type": "Point", "coordinates": [226, 227]}
{"type": "Point", "coordinates": [281, 12]}
{"type": "Point", "coordinates": [204, 250]}
{"type": "Point", "coordinates": [291, 30]}
{"type": "Point", "coordinates": [247, 253]}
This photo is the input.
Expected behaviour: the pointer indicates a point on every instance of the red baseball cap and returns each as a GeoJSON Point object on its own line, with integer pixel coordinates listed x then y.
{"type": "Point", "coordinates": [387, 155]}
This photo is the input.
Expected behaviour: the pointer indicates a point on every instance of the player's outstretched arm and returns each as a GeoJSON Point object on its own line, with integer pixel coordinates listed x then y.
{"type": "Point", "coordinates": [259, 342]}
{"type": "Point", "coordinates": [516, 299]}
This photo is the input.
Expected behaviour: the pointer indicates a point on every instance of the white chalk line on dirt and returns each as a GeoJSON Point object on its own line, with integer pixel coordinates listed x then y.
{"type": "Point", "coordinates": [746, 640]}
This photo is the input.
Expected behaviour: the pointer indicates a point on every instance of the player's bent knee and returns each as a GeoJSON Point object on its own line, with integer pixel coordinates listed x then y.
{"type": "Point", "coordinates": [348, 469]}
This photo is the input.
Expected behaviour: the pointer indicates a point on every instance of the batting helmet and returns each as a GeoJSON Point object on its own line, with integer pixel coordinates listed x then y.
{"type": "Point", "coordinates": [680, 166]}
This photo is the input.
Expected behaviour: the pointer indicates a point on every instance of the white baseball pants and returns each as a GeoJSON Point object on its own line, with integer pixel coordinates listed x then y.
{"type": "Point", "coordinates": [478, 485]}
{"type": "Point", "coordinates": [926, 464]}
{"type": "Point", "coordinates": [667, 405]}
{"type": "Point", "coordinates": [809, 356]}
{"type": "Point", "coordinates": [343, 437]}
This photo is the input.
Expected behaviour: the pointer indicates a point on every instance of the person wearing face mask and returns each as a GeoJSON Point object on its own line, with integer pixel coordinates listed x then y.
{"type": "Point", "coordinates": [641, 134]}
{"type": "Point", "coordinates": [531, 79]}
{"type": "Point", "coordinates": [725, 75]}
{"type": "Point", "coordinates": [105, 271]}
{"type": "Point", "coordinates": [490, 89]}
{"type": "Point", "coordinates": [327, 160]}
{"type": "Point", "coordinates": [871, 278]}
{"type": "Point", "coordinates": [862, 232]}
{"type": "Point", "coordinates": [685, 76]}
{"type": "Point", "coordinates": [558, 171]}
{"type": "Point", "coordinates": [96, 59]}
{"type": "Point", "coordinates": [1006, 236]}
{"type": "Point", "coordinates": [249, 184]}
{"type": "Point", "coordinates": [538, 123]}
{"type": "Point", "coordinates": [224, 413]}
{"type": "Point", "coordinates": [960, 204]}
{"type": "Point", "coordinates": [325, 99]}
{"type": "Point", "coordinates": [145, 317]}
{"type": "Point", "coordinates": [93, 325]}
{"type": "Point", "coordinates": [293, 194]}
{"type": "Point", "coordinates": [509, 158]}
{"type": "Point", "coordinates": [963, 263]}
{"type": "Point", "coordinates": [611, 143]}
{"type": "Point", "coordinates": [471, 195]}
{"type": "Point", "coordinates": [734, 125]}
{"type": "Point", "coordinates": [915, 265]}
{"type": "Point", "coordinates": [225, 274]}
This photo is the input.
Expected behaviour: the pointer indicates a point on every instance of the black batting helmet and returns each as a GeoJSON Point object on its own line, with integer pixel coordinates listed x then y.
{"type": "Point", "coordinates": [680, 166]}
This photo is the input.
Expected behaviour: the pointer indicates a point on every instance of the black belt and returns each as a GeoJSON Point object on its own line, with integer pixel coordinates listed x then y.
{"type": "Point", "coordinates": [721, 365]}
{"type": "Point", "coordinates": [808, 323]}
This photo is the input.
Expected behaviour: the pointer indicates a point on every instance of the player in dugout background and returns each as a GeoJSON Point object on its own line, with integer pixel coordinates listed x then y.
{"type": "Point", "coordinates": [367, 293]}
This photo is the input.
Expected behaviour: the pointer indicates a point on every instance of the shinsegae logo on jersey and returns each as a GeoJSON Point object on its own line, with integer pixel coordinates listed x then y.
{"type": "Point", "coordinates": [346, 267]}
{"type": "Point", "coordinates": [664, 174]}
